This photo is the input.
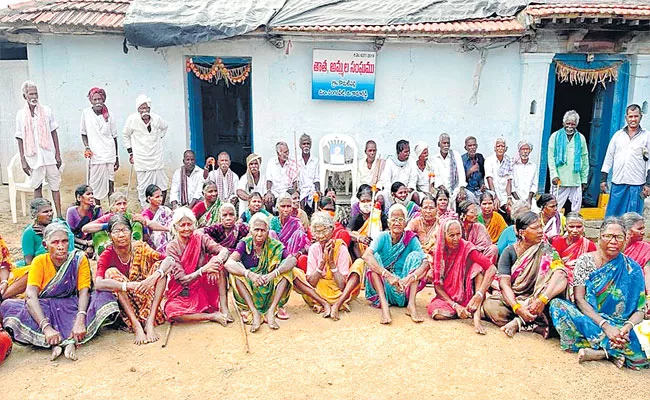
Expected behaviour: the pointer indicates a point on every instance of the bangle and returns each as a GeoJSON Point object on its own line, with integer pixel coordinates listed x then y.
{"type": "Point", "coordinates": [602, 323]}
{"type": "Point", "coordinates": [516, 307]}
{"type": "Point", "coordinates": [200, 271]}
{"type": "Point", "coordinates": [161, 271]}
{"type": "Point", "coordinates": [415, 277]}
{"type": "Point", "coordinates": [629, 322]}
{"type": "Point", "coordinates": [334, 270]}
{"type": "Point", "coordinates": [44, 322]}
{"type": "Point", "coordinates": [45, 326]}
{"type": "Point", "coordinates": [543, 298]}
{"type": "Point", "coordinates": [246, 273]}
{"type": "Point", "coordinates": [454, 305]}
{"type": "Point", "coordinates": [320, 271]}
{"type": "Point", "coordinates": [84, 313]}
{"type": "Point", "coordinates": [4, 281]}
{"type": "Point", "coordinates": [383, 273]}
{"type": "Point", "coordinates": [105, 226]}
{"type": "Point", "coordinates": [277, 273]}
{"type": "Point", "coordinates": [480, 294]}
{"type": "Point", "coordinates": [124, 286]}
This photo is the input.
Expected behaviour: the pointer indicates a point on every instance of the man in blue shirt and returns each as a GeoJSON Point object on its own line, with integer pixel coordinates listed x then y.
{"type": "Point", "coordinates": [474, 167]}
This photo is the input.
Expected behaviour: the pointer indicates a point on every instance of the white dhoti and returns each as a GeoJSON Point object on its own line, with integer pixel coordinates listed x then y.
{"type": "Point", "coordinates": [46, 173]}
{"type": "Point", "coordinates": [571, 193]}
{"type": "Point", "coordinates": [145, 178]}
{"type": "Point", "coordinates": [100, 175]}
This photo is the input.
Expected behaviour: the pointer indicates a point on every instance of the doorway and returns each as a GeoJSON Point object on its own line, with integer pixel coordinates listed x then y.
{"type": "Point", "coordinates": [220, 105]}
{"type": "Point", "coordinates": [601, 111]}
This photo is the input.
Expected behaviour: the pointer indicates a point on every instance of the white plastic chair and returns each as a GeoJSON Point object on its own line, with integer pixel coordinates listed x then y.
{"type": "Point", "coordinates": [19, 182]}
{"type": "Point", "coordinates": [332, 161]}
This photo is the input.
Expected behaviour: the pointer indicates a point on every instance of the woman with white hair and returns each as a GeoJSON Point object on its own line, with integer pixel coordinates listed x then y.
{"type": "Point", "coordinates": [229, 231]}
{"type": "Point", "coordinates": [197, 289]}
{"type": "Point", "coordinates": [261, 279]}
{"type": "Point", "coordinates": [59, 311]}
{"type": "Point", "coordinates": [288, 229]}
{"type": "Point", "coordinates": [329, 283]}
{"type": "Point", "coordinates": [396, 265]}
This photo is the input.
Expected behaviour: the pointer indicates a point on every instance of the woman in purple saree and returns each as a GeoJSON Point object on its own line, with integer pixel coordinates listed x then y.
{"type": "Point", "coordinates": [288, 229]}
{"type": "Point", "coordinates": [59, 310]}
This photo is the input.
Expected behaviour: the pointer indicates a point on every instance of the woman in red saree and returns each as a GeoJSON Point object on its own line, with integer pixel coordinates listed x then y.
{"type": "Point", "coordinates": [572, 245]}
{"type": "Point", "coordinates": [638, 249]}
{"type": "Point", "coordinates": [197, 288]}
{"type": "Point", "coordinates": [461, 277]}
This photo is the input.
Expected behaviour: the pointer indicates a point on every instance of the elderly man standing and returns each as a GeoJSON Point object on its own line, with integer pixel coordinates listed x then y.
{"type": "Point", "coordinates": [308, 175]}
{"type": "Point", "coordinates": [143, 133]}
{"type": "Point", "coordinates": [628, 156]}
{"type": "Point", "coordinates": [225, 179]}
{"type": "Point", "coordinates": [474, 164]}
{"type": "Point", "coordinates": [568, 162]}
{"type": "Point", "coordinates": [187, 183]}
{"type": "Point", "coordinates": [448, 167]}
{"type": "Point", "coordinates": [38, 144]}
{"type": "Point", "coordinates": [524, 174]}
{"type": "Point", "coordinates": [281, 175]}
{"type": "Point", "coordinates": [498, 172]}
{"type": "Point", "coordinates": [399, 169]}
{"type": "Point", "coordinates": [99, 136]}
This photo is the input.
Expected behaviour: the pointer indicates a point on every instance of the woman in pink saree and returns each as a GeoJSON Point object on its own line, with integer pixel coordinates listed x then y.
{"type": "Point", "coordinates": [572, 245]}
{"type": "Point", "coordinates": [638, 249]}
{"type": "Point", "coordinates": [475, 232]}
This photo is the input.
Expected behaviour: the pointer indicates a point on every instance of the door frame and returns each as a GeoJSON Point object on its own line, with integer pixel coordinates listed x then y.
{"type": "Point", "coordinates": [612, 116]}
{"type": "Point", "coordinates": [195, 105]}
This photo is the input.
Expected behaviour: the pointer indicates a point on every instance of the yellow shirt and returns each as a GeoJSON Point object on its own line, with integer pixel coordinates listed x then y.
{"type": "Point", "coordinates": [42, 271]}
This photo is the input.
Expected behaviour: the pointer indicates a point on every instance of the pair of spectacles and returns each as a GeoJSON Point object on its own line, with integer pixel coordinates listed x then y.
{"type": "Point", "coordinates": [123, 231]}
{"type": "Point", "coordinates": [608, 237]}
{"type": "Point", "coordinates": [397, 220]}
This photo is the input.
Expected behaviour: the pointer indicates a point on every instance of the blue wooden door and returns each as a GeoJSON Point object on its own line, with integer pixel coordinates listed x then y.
{"type": "Point", "coordinates": [594, 147]}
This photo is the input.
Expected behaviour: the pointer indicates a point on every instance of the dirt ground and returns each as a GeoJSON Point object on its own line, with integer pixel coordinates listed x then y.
{"type": "Point", "coordinates": [314, 358]}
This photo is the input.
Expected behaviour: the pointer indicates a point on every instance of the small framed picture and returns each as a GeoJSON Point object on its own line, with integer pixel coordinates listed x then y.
{"type": "Point", "coordinates": [337, 153]}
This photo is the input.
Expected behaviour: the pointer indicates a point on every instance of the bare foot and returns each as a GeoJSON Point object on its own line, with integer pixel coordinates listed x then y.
{"type": "Point", "coordinates": [270, 319]}
{"type": "Point", "coordinates": [71, 352]}
{"type": "Point", "coordinates": [56, 352]}
{"type": "Point", "coordinates": [257, 321]}
{"type": "Point", "coordinates": [140, 337]}
{"type": "Point", "coordinates": [334, 313]}
{"type": "Point", "coordinates": [510, 328]}
{"type": "Point", "coordinates": [229, 317]}
{"type": "Point", "coordinates": [412, 312]}
{"type": "Point", "coordinates": [386, 318]}
{"type": "Point", "coordinates": [150, 332]}
{"type": "Point", "coordinates": [591, 355]}
{"type": "Point", "coordinates": [478, 326]}
{"type": "Point", "coordinates": [327, 310]}
{"type": "Point", "coordinates": [220, 318]}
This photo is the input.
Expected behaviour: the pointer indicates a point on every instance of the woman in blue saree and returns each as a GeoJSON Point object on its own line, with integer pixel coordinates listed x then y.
{"type": "Point", "coordinates": [59, 310]}
{"type": "Point", "coordinates": [396, 267]}
{"type": "Point", "coordinates": [610, 298]}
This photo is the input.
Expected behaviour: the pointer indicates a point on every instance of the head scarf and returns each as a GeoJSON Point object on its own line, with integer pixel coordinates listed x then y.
{"type": "Point", "coordinates": [419, 148]}
{"type": "Point", "coordinates": [142, 99]}
{"type": "Point", "coordinates": [102, 93]}
{"type": "Point", "coordinates": [249, 177]}
{"type": "Point", "coordinates": [521, 144]}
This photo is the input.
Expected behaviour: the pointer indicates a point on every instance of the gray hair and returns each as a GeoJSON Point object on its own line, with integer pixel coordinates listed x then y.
{"type": "Point", "coordinates": [630, 219]}
{"type": "Point", "coordinates": [571, 115]}
{"type": "Point", "coordinates": [227, 206]}
{"type": "Point", "coordinates": [256, 218]}
{"type": "Point", "coordinates": [518, 206]}
{"type": "Point", "coordinates": [279, 144]}
{"type": "Point", "coordinates": [26, 85]}
{"type": "Point", "coordinates": [303, 137]}
{"type": "Point", "coordinates": [500, 139]}
{"type": "Point", "coordinates": [397, 207]}
{"type": "Point", "coordinates": [575, 216]}
{"type": "Point", "coordinates": [443, 136]}
{"type": "Point", "coordinates": [612, 221]}
{"type": "Point", "coordinates": [53, 228]}
{"type": "Point", "coordinates": [179, 214]}
{"type": "Point", "coordinates": [283, 196]}
{"type": "Point", "coordinates": [116, 196]}
{"type": "Point", "coordinates": [322, 219]}
{"type": "Point", "coordinates": [36, 205]}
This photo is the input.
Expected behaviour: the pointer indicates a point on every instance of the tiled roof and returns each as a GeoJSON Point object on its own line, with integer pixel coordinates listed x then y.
{"type": "Point", "coordinates": [577, 10]}
{"type": "Point", "coordinates": [84, 15]}
{"type": "Point", "coordinates": [479, 27]}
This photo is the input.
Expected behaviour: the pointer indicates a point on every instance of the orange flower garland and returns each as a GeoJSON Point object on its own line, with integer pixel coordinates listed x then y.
{"type": "Point", "coordinates": [218, 71]}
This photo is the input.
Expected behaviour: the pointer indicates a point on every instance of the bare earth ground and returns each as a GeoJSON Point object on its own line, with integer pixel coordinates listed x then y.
{"type": "Point", "coordinates": [314, 358]}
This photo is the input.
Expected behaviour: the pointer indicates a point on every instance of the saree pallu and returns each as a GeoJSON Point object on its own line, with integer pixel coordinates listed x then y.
{"type": "Point", "coordinates": [59, 302]}
{"type": "Point", "coordinates": [201, 296]}
{"type": "Point", "coordinates": [554, 226]}
{"type": "Point", "coordinates": [412, 209]}
{"type": "Point", "coordinates": [400, 269]}
{"type": "Point", "coordinates": [571, 254]}
{"type": "Point", "coordinates": [101, 239]}
{"type": "Point", "coordinates": [639, 252]}
{"type": "Point", "coordinates": [269, 261]}
{"type": "Point", "coordinates": [229, 239]}
{"type": "Point", "coordinates": [495, 227]}
{"type": "Point", "coordinates": [615, 291]}
{"type": "Point", "coordinates": [530, 276]}
{"type": "Point", "coordinates": [478, 235]}
{"type": "Point", "coordinates": [326, 286]}
{"type": "Point", "coordinates": [211, 215]}
{"type": "Point", "coordinates": [145, 262]}
{"type": "Point", "coordinates": [293, 237]}
{"type": "Point", "coordinates": [158, 239]}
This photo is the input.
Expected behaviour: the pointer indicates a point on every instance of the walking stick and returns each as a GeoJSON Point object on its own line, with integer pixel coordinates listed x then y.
{"type": "Point", "coordinates": [231, 298]}
{"type": "Point", "coordinates": [128, 187]}
{"type": "Point", "coordinates": [87, 171]}
{"type": "Point", "coordinates": [169, 330]}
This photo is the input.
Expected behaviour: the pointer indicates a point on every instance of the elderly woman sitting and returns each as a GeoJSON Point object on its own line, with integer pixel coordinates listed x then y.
{"type": "Point", "coordinates": [610, 296]}
{"type": "Point", "coordinates": [426, 224]}
{"type": "Point", "coordinates": [255, 205]}
{"type": "Point", "coordinates": [475, 232]}
{"type": "Point", "coordinates": [207, 211]}
{"type": "Point", "coordinates": [261, 279]}
{"type": "Point", "coordinates": [638, 249]}
{"type": "Point", "coordinates": [361, 224]}
{"type": "Point", "coordinates": [329, 283]}
{"type": "Point", "coordinates": [133, 271]}
{"type": "Point", "coordinates": [552, 222]}
{"type": "Point", "coordinates": [59, 310]}
{"type": "Point", "coordinates": [288, 229]}
{"type": "Point", "coordinates": [83, 212]}
{"type": "Point", "coordinates": [197, 289]}
{"type": "Point", "coordinates": [461, 277]}
{"type": "Point", "coordinates": [573, 244]}
{"type": "Point", "coordinates": [493, 221]}
{"type": "Point", "coordinates": [396, 267]}
{"type": "Point", "coordinates": [530, 275]}
{"type": "Point", "coordinates": [229, 231]}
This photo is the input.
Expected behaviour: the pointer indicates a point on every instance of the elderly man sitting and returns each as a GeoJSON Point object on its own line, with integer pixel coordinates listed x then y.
{"type": "Point", "coordinates": [187, 183]}
{"type": "Point", "coordinates": [225, 179]}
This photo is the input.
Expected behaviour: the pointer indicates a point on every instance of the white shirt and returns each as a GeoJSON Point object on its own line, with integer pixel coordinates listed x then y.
{"type": "Point", "coordinates": [492, 165]}
{"type": "Point", "coordinates": [308, 175]}
{"type": "Point", "coordinates": [147, 146]}
{"type": "Point", "coordinates": [442, 169]}
{"type": "Point", "coordinates": [524, 179]}
{"type": "Point", "coordinates": [625, 155]}
{"type": "Point", "coordinates": [194, 185]}
{"type": "Point", "coordinates": [101, 136]}
{"type": "Point", "coordinates": [422, 177]}
{"type": "Point", "coordinates": [224, 192]}
{"type": "Point", "coordinates": [260, 188]}
{"type": "Point", "coordinates": [42, 157]}
{"type": "Point", "coordinates": [279, 177]}
{"type": "Point", "coordinates": [394, 173]}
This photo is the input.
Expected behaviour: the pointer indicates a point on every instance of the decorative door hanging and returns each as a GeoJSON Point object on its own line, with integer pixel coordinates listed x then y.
{"type": "Point", "coordinates": [595, 76]}
{"type": "Point", "coordinates": [218, 71]}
